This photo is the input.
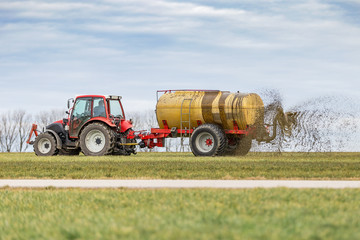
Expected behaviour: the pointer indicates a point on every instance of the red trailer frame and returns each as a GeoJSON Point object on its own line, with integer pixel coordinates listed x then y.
{"type": "Point", "coordinates": [156, 137]}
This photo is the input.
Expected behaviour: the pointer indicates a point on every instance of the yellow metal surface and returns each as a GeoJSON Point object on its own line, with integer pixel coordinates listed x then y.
{"type": "Point", "coordinates": [218, 107]}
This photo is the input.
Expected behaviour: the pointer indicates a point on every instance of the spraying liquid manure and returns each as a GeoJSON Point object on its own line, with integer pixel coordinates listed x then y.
{"type": "Point", "coordinates": [216, 123]}
{"type": "Point", "coordinates": [322, 124]}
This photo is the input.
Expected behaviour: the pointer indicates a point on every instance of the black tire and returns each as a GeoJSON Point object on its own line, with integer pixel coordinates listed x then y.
{"type": "Point", "coordinates": [97, 139]}
{"type": "Point", "coordinates": [69, 152]}
{"type": "Point", "coordinates": [45, 145]}
{"type": "Point", "coordinates": [208, 140]}
{"type": "Point", "coordinates": [232, 144]}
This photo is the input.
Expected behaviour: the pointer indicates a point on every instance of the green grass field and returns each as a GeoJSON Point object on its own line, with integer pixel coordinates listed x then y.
{"type": "Point", "coordinates": [183, 166]}
{"type": "Point", "coordinates": [179, 214]}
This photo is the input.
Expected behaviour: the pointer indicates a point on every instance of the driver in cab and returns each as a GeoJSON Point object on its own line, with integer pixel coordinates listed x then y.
{"type": "Point", "coordinates": [99, 110]}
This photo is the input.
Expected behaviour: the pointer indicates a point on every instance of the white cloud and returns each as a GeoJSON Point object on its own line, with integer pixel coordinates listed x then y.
{"type": "Point", "coordinates": [289, 25]}
{"type": "Point", "coordinates": [134, 47]}
{"type": "Point", "coordinates": [41, 6]}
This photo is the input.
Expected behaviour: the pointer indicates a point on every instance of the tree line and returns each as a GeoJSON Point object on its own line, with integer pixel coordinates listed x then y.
{"type": "Point", "coordinates": [15, 127]}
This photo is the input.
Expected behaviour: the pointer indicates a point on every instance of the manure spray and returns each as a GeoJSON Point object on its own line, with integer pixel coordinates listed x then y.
{"type": "Point", "coordinates": [322, 124]}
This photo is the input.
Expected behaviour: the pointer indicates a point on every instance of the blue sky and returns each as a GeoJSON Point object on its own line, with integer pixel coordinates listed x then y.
{"type": "Point", "coordinates": [53, 50]}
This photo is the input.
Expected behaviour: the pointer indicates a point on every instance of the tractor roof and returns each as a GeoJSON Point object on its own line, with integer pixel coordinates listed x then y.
{"type": "Point", "coordinates": [97, 95]}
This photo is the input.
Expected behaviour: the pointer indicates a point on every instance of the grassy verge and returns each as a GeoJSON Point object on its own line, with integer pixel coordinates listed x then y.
{"type": "Point", "coordinates": [179, 214]}
{"type": "Point", "coordinates": [183, 166]}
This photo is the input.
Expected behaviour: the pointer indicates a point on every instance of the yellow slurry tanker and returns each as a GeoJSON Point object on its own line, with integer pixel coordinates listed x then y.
{"type": "Point", "coordinates": [217, 122]}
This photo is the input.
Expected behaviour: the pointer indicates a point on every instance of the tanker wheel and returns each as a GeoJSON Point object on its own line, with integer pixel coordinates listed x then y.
{"type": "Point", "coordinates": [97, 139]}
{"type": "Point", "coordinates": [233, 142]}
{"type": "Point", "coordinates": [69, 152]}
{"type": "Point", "coordinates": [243, 146]}
{"type": "Point", "coordinates": [208, 140]}
{"type": "Point", "coordinates": [45, 145]}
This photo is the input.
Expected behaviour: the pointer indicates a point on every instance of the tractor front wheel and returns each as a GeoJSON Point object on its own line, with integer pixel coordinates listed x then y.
{"type": "Point", "coordinates": [45, 145]}
{"type": "Point", "coordinates": [97, 139]}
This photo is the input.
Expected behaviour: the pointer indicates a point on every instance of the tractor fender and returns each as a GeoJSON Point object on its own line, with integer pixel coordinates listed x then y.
{"type": "Point", "coordinates": [58, 140]}
{"type": "Point", "coordinates": [96, 120]}
{"type": "Point", "coordinates": [125, 125]}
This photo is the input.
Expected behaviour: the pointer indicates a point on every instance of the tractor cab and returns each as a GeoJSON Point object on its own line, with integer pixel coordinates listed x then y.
{"type": "Point", "coordinates": [89, 108]}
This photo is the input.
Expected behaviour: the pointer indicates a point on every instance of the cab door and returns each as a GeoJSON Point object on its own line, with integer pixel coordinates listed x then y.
{"type": "Point", "coordinates": [80, 115]}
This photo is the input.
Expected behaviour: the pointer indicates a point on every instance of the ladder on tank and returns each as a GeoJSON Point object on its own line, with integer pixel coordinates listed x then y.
{"type": "Point", "coordinates": [185, 123]}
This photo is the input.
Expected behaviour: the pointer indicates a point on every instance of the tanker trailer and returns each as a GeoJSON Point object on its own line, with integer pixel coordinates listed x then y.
{"type": "Point", "coordinates": [217, 122]}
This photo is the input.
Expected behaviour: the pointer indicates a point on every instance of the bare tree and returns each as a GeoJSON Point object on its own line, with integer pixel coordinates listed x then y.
{"type": "Point", "coordinates": [151, 120]}
{"type": "Point", "coordinates": [168, 144]}
{"type": "Point", "coordinates": [44, 118]}
{"type": "Point", "coordinates": [173, 145]}
{"type": "Point", "coordinates": [136, 120]}
{"type": "Point", "coordinates": [144, 120]}
{"type": "Point", "coordinates": [9, 133]}
{"type": "Point", "coordinates": [1, 137]}
{"type": "Point", "coordinates": [15, 127]}
{"type": "Point", "coordinates": [23, 125]}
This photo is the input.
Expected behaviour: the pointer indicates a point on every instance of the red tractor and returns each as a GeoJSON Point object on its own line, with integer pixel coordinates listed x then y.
{"type": "Point", "coordinates": [95, 125]}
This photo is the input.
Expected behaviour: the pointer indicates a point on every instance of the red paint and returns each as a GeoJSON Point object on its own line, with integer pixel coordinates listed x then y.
{"type": "Point", "coordinates": [165, 124]}
{"type": "Point", "coordinates": [33, 130]}
{"type": "Point", "coordinates": [59, 121]}
{"type": "Point", "coordinates": [209, 142]}
{"type": "Point", "coordinates": [236, 126]}
{"type": "Point", "coordinates": [125, 125]}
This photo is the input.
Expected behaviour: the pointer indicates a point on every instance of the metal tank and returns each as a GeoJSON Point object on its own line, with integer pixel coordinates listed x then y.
{"type": "Point", "coordinates": [214, 106]}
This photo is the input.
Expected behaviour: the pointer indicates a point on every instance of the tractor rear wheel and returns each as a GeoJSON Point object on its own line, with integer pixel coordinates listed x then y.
{"type": "Point", "coordinates": [97, 139]}
{"type": "Point", "coordinates": [208, 140]}
{"type": "Point", "coordinates": [45, 145]}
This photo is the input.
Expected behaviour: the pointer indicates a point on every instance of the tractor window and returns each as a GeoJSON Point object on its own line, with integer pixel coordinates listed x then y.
{"type": "Point", "coordinates": [115, 108]}
{"type": "Point", "coordinates": [80, 115]}
{"type": "Point", "coordinates": [99, 108]}
{"type": "Point", "coordinates": [82, 108]}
